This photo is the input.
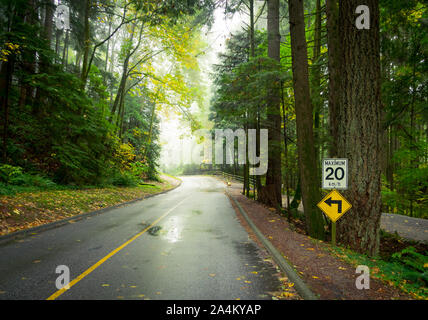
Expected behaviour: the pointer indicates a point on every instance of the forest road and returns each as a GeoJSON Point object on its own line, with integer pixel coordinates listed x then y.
{"type": "Point", "coordinates": [184, 244]}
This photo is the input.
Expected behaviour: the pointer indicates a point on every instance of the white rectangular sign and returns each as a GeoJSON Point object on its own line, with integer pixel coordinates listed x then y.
{"type": "Point", "coordinates": [335, 174]}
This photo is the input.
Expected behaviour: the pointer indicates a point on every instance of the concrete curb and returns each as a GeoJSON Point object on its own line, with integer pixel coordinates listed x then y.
{"type": "Point", "coordinates": [301, 287]}
{"type": "Point", "coordinates": [23, 233]}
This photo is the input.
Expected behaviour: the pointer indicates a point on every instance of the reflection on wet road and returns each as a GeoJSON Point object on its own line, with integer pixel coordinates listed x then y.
{"type": "Point", "coordinates": [185, 244]}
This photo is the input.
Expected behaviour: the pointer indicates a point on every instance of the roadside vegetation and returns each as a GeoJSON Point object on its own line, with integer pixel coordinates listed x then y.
{"type": "Point", "coordinates": [81, 97]}
{"type": "Point", "coordinates": [26, 207]}
{"type": "Point", "coordinates": [401, 263]}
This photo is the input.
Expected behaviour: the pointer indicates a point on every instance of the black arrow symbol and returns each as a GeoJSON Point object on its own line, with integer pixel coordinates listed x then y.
{"type": "Point", "coordinates": [329, 201]}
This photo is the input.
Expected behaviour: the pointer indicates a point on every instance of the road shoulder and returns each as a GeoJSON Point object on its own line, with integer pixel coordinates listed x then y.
{"type": "Point", "coordinates": [326, 275]}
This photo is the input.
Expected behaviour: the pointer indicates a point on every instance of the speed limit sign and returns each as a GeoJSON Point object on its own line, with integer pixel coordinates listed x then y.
{"type": "Point", "coordinates": [335, 174]}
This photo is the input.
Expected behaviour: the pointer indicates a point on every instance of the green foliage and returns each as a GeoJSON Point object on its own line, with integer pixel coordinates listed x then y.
{"type": "Point", "coordinates": [404, 91]}
{"type": "Point", "coordinates": [62, 129]}
{"type": "Point", "coordinates": [9, 173]}
{"type": "Point", "coordinates": [13, 180]}
{"type": "Point", "coordinates": [397, 272]}
{"type": "Point", "coordinates": [125, 179]}
{"type": "Point", "coordinates": [415, 265]}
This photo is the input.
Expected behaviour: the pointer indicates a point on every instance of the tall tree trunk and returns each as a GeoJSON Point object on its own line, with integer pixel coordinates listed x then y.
{"type": "Point", "coordinates": [87, 42]}
{"type": "Point", "coordinates": [271, 193]}
{"type": "Point", "coordinates": [48, 29]}
{"type": "Point", "coordinates": [5, 82]}
{"type": "Point", "coordinates": [251, 114]}
{"type": "Point", "coordinates": [108, 45]}
{"type": "Point", "coordinates": [316, 80]}
{"type": "Point", "coordinates": [333, 72]}
{"type": "Point", "coordinates": [287, 171]}
{"type": "Point", "coordinates": [57, 44]}
{"type": "Point", "coordinates": [65, 50]}
{"type": "Point", "coordinates": [29, 59]}
{"type": "Point", "coordinates": [121, 90]}
{"type": "Point", "coordinates": [304, 121]}
{"type": "Point", "coordinates": [44, 61]}
{"type": "Point", "coordinates": [360, 127]}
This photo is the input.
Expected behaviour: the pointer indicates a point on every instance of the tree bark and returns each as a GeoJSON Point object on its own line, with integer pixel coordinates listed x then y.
{"type": "Point", "coordinates": [44, 62]}
{"type": "Point", "coordinates": [360, 128]}
{"type": "Point", "coordinates": [333, 72]}
{"type": "Point", "coordinates": [304, 121]}
{"type": "Point", "coordinates": [287, 171]}
{"type": "Point", "coordinates": [316, 80]}
{"type": "Point", "coordinates": [87, 43]}
{"type": "Point", "coordinates": [271, 195]}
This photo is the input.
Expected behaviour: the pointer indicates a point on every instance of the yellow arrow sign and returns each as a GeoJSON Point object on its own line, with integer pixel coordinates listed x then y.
{"type": "Point", "coordinates": [334, 205]}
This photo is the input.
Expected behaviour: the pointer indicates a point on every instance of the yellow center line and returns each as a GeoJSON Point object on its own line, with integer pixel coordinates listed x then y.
{"type": "Point", "coordinates": [111, 254]}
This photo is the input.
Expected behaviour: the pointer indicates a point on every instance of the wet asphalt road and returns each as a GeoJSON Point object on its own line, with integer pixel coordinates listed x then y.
{"type": "Point", "coordinates": [198, 250]}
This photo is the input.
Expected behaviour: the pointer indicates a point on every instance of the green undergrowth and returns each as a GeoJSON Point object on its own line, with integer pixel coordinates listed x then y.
{"type": "Point", "coordinates": [406, 269]}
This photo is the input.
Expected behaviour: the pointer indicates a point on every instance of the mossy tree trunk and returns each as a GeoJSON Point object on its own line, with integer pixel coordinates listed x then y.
{"type": "Point", "coordinates": [304, 122]}
{"type": "Point", "coordinates": [360, 127]}
{"type": "Point", "coordinates": [271, 193]}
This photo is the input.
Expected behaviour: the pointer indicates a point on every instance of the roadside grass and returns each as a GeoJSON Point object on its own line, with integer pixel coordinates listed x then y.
{"type": "Point", "coordinates": [171, 176]}
{"type": "Point", "coordinates": [29, 209]}
{"type": "Point", "coordinates": [401, 263]}
{"type": "Point", "coordinates": [393, 273]}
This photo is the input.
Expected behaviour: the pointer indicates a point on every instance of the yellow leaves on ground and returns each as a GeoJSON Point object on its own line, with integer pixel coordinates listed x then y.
{"type": "Point", "coordinates": [287, 294]}
{"type": "Point", "coordinates": [31, 209]}
{"type": "Point", "coordinates": [375, 270]}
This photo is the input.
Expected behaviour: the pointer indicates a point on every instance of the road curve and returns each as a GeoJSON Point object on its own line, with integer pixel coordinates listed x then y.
{"type": "Point", "coordinates": [196, 249]}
